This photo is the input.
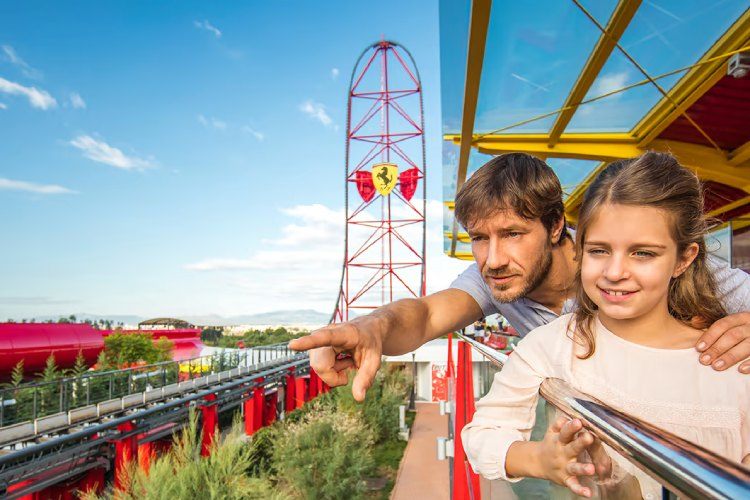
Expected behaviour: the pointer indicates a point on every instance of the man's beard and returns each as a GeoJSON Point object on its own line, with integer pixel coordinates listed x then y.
{"type": "Point", "coordinates": [539, 271]}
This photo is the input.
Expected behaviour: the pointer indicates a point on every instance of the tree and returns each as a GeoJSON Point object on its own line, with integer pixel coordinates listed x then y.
{"type": "Point", "coordinates": [51, 371]}
{"type": "Point", "coordinates": [164, 347]}
{"type": "Point", "coordinates": [127, 348]}
{"type": "Point", "coordinates": [80, 367]}
{"type": "Point", "coordinates": [16, 375]}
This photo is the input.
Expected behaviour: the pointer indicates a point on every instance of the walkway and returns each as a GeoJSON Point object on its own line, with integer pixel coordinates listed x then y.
{"type": "Point", "coordinates": [421, 474]}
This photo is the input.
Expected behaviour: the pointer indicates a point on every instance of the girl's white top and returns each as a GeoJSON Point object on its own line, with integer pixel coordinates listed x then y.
{"type": "Point", "coordinates": [666, 387]}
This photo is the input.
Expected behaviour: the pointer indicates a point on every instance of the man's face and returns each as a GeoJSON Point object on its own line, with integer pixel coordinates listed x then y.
{"type": "Point", "coordinates": [514, 254]}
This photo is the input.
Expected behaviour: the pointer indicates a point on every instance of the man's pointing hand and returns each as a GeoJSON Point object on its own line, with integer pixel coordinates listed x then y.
{"type": "Point", "coordinates": [360, 339]}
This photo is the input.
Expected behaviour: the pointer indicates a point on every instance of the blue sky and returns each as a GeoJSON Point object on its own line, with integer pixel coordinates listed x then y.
{"type": "Point", "coordinates": [186, 157]}
{"type": "Point", "coordinates": [172, 157]}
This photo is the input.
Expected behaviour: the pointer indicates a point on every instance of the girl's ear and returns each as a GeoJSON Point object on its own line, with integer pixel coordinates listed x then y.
{"type": "Point", "coordinates": [684, 260]}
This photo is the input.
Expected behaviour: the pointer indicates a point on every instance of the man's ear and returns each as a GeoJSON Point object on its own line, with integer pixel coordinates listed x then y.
{"type": "Point", "coordinates": [557, 231]}
{"type": "Point", "coordinates": [684, 260]}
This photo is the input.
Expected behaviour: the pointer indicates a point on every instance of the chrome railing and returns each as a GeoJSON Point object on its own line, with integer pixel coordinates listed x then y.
{"type": "Point", "coordinates": [680, 466]}
{"type": "Point", "coordinates": [39, 399]}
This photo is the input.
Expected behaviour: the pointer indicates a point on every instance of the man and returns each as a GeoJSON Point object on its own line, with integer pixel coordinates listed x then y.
{"type": "Point", "coordinates": [525, 269]}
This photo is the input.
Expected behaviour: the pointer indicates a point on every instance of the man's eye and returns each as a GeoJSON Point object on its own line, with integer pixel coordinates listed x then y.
{"type": "Point", "coordinates": [596, 251]}
{"type": "Point", "coordinates": [514, 234]}
{"type": "Point", "coordinates": [643, 253]}
{"type": "Point", "coordinates": [477, 238]}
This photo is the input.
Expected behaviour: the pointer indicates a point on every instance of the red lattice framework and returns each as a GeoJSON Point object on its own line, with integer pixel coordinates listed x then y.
{"type": "Point", "coordinates": [384, 257]}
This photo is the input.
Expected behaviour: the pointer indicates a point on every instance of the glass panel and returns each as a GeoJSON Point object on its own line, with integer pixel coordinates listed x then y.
{"type": "Point", "coordinates": [664, 35]}
{"type": "Point", "coordinates": [741, 247]}
{"type": "Point", "coordinates": [535, 51]}
{"type": "Point", "coordinates": [454, 35]}
{"type": "Point", "coordinates": [571, 172]}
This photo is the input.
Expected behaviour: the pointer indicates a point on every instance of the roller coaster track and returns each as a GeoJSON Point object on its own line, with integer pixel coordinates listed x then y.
{"type": "Point", "coordinates": [51, 449]}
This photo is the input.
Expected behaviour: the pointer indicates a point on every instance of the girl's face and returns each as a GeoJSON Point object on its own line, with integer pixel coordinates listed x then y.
{"type": "Point", "coordinates": [629, 258]}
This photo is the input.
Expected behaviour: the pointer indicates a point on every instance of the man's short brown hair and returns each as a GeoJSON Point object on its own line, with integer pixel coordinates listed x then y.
{"type": "Point", "coordinates": [513, 181]}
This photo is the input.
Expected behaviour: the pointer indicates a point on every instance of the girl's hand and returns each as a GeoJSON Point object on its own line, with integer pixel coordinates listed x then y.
{"type": "Point", "coordinates": [558, 455]}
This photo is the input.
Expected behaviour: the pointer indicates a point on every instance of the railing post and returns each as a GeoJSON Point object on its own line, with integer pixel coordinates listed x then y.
{"type": "Point", "coordinates": [465, 481]}
{"type": "Point", "coordinates": [210, 412]}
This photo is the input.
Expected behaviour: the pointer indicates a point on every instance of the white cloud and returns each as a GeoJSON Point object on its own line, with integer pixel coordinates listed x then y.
{"type": "Point", "coordinates": [37, 98]}
{"type": "Point", "coordinates": [77, 101]}
{"type": "Point", "coordinates": [317, 111]}
{"type": "Point", "coordinates": [255, 133]}
{"type": "Point", "coordinates": [30, 187]}
{"type": "Point", "coordinates": [300, 266]}
{"type": "Point", "coordinates": [3, 105]}
{"type": "Point", "coordinates": [205, 25]}
{"type": "Point", "coordinates": [212, 122]}
{"type": "Point", "coordinates": [102, 152]}
{"type": "Point", "coordinates": [11, 56]}
{"type": "Point", "coordinates": [609, 83]}
{"type": "Point", "coordinates": [335, 73]}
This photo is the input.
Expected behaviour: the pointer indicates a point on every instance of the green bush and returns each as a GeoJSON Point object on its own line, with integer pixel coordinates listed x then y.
{"type": "Point", "coordinates": [325, 456]}
{"type": "Point", "coordinates": [380, 408]}
{"type": "Point", "coordinates": [126, 348]}
{"type": "Point", "coordinates": [260, 451]}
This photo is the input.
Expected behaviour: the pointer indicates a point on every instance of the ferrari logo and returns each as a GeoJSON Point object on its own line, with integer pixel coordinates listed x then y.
{"type": "Point", "coordinates": [384, 176]}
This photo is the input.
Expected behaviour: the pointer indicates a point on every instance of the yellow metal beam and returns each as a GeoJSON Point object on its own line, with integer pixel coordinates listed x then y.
{"type": "Point", "coordinates": [694, 84]}
{"type": "Point", "coordinates": [478, 24]}
{"type": "Point", "coordinates": [618, 22]}
{"type": "Point", "coordinates": [708, 163]}
{"type": "Point", "coordinates": [740, 155]}
{"type": "Point", "coordinates": [730, 206]}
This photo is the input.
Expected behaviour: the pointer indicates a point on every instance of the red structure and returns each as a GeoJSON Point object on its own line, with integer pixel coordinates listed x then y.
{"type": "Point", "coordinates": [384, 257]}
{"type": "Point", "coordinates": [34, 342]}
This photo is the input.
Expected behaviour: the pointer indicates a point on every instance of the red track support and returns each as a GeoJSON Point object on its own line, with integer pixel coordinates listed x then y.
{"type": "Point", "coordinates": [313, 388]}
{"type": "Point", "coordinates": [126, 450]}
{"type": "Point", "coordinates": [289, 393]}
{"type": "Point", "coordinates": [270, 408]}
{"type": "Point", "coordinates": [465, 481]}
{"type": "Point", "coordinates": [210, 413]}
{"type": "Point", "coordinates": [254, 411]}
{"type": "Point", "coordinates": [146, 453]}
{"type": "Point", "coordinates": [300, 392]}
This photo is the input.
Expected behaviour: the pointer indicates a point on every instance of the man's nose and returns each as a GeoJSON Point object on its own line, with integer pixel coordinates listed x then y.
{"type": "Point", "coordinates": [497, 257]}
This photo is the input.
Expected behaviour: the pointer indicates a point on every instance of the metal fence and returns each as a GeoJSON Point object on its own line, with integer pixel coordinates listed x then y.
{"type": "Point", "coordinates": [39, 399]}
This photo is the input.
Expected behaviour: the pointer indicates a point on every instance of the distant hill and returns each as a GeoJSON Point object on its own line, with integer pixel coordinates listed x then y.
{"type": "Point", "coordinates": [287, 318]}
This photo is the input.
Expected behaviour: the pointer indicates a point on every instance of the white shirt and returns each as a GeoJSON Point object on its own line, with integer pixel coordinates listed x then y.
{"type": "Point", "coordinates": [666, 387]}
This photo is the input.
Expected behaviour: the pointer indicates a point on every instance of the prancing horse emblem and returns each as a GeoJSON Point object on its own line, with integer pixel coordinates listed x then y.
{"type": "Point", "coordinates": [385, 177]}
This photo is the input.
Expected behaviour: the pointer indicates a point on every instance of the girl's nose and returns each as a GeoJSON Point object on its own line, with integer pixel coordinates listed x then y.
{"type": "Point", "coordinates": [616, 269]}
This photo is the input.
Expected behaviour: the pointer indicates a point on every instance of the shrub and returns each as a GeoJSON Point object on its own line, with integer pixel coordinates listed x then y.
{"type": "Point", "coordinates": [325, 456]}
{"type": "Point", "coordinates": [183, 473]}
{"type": "Point", "coordinates": [380, 408]}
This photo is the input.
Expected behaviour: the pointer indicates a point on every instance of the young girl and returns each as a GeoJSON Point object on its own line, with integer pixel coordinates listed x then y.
{"type": "Point", "coordinates": [642, 282]}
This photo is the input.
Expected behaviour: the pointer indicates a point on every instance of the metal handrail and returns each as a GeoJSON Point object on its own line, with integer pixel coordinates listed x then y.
{"type": "Point", "coordinates": [68, 393]}
{"type": "Point", "coordinates": [678, 465]}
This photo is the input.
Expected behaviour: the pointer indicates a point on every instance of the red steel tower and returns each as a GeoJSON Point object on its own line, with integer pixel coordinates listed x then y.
{"type": "Point", "coordinates": [384, 257]}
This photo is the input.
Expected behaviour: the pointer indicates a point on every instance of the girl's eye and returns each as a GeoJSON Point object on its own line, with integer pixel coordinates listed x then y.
{"type": "Point", "coordinates": [643, 253]}
{"type": "Point", "coordinates": [596, 251]}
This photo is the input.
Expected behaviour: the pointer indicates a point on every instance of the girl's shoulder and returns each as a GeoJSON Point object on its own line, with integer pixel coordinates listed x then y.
{"type": "Point", "coordinates": [553, 338]}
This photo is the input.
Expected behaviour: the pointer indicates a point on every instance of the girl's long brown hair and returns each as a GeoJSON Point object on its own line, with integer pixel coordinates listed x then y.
{"type": "Point", "coordinates": [654, 180]}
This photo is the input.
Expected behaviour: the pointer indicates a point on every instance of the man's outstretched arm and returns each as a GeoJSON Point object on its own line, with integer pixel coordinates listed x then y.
{"type": "Point", "coordinates": [393, 329]}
